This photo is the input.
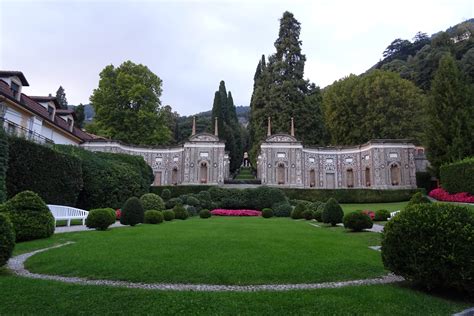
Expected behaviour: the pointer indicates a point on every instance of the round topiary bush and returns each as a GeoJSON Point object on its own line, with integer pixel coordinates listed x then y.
{"type": "Point", "coordinates": [282, 209]}
{"type": "Point", "coordinates": [7, 239]}
{"type": "Point", "coordinates": [100, 218]}
{"type": "Point", "coordinates": [205, 214]}
{"type": "Point", "coordinates": [308, 215]}
{"type": "Point", "coordinates": [382, 215]}
{"type": "Point", "coordinates": [332, 213]}
{"type": "Point", "coordinates": [432, 245]}
{"type": "Point", "coordinates": [30, 216]}
{"type": "Point", "coordinates": [318, 214]}
{"type": "Point", "coordinates": [151, 201]}
{"type": "Point", "coordinates": [357, 221]}
{"type": "Point", "coordinates": [168, 215]}
{"type": "Point", "coordinates": [267, 213]}
{"type": "Point", "coordinates": [191, 200]}
{"type": "Point", "coordinates": [166, 194]}
{"type": "Point", "coordinates": [132, 212]}
{"type": "Point", "coordinates": [180, 212]}
{"type": "Point", "coordinates": [418, 198]}
{"type": "Point", "coordinates": [153, 217]}
{"type": "Point", "coordinates": [297, 213]}
{"type": "Point", "coordinates": [173, 202]}
{"type": "Point", "coordinates": [192, 210]}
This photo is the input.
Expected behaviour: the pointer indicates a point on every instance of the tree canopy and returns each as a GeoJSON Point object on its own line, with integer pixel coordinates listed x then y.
{"type": "Point", "coordinates": [61, 98]}
{"type": "Point", "coordinates": [127, 105]}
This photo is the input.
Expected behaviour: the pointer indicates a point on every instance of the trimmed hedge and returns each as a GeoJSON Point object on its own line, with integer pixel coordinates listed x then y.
{"type": "Point", "coordinates": [458, 176]}
{"type": "Point", "coordinates": [357, 221]}
{"type": "Point", "coordinates": [382, 215]}
{"type": "Point", "coordinates": [180, 212]}
{"type": "Point", "coordinates": [56, 177]}
{"type": "Point", "coordinates": [297, 213]}
{"type": "Point", "coordinates": [418, 198]}
{"type": "Point", "coordinates": [109, 179]}
{"type": "Point", "coordinates": [153, 217]}
{"type": "Point", "coordinates": [205, 214]}
{"type": "Point", "coordinates": [423, 181]}
{"type": "Point", "coordinates": [100, 218]}
{"type": "Point", "coordinates": [7, 239]}
{"type": "Point", "coordinates": [282, 209]}
{"type": "Point", "coordinates": [308, 215]}
{"type": "Point", "coordinates": [30, 216]}
{"type": "Point", "coordinates": [166, 194]}
{"type": "Point", "coordinates": [432, 245]}
{"type": "Point", "coordinates": [132, 212]}
{"type": "Point", "coordinates": [313, 195]}
{"type": "Point", "coordinates": [350, 195]}
{"type": "Point", "coordinates": [168, 215]}
{"type": "Point", "coordinates": [151, 201]}
{"type": "Point", "coordinates": [3, 165]}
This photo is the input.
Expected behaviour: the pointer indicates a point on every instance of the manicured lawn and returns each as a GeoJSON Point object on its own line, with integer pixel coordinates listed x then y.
{"type": "Point", "coordinates": [391, 207]}
{"type": "Point", "coordinates": [37, 297]}
{"type": "Point", "coordinates": [245, 174]}
{"type": "Point", "coordinates": [220, 250]}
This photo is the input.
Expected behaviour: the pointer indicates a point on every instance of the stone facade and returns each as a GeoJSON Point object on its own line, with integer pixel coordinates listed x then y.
{"type": "Point", "coordinates": [378, 164]}
{"type": "Point", "coordinates": [200, 160]}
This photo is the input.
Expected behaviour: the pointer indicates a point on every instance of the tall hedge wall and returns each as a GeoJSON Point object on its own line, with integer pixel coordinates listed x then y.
{"type": "Point", "coordinates": [458, 176]}
{"type": "Point", "coordinates": [3, 164]}
{"type": "Point", "coordinates": [109, 179]}
{"type": "Point", "coordinates": [341, 195]}
{"type": "Point", "coordinates": [56, 177]}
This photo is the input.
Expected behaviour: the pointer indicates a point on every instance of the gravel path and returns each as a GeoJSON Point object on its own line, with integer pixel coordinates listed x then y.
{"type": "Point", "coordinates": [80, 228]}
{"type": "Point", "coordinates": [16, 265]}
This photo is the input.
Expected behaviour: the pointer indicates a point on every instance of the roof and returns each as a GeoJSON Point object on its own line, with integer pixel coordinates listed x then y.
{"type": "Point", "coordinates": [66, 112]}
{"type": "Point", "coordinates": [19, 74]}
{"type": "Point", "coordinates": [46, 99]}
{"type": "Point", "coordinates": [33, 106]}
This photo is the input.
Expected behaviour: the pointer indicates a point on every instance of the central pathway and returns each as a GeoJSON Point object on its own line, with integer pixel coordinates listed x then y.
{"type": "Point", "coordinates": [17, 266]}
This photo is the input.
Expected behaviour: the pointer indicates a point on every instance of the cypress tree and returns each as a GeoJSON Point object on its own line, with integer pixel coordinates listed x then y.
{"type": "Point", "coordinates": [132, 212]}
{"type": "Point", "coordinates": [61, 97]}
{"type": "Point", "coordinates": [281, 92]}
{"type": "Point", "coordinates": [450, 116]}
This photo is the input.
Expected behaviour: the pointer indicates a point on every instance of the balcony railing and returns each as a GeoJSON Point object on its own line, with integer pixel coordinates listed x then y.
{"type": "Point", "coordinates": [13, 129]}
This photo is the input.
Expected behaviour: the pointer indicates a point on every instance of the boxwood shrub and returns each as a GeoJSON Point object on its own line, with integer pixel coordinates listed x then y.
{"type": "Point", "coordinates": [151, 201]}
{"type": "Point", "coordinates": [173, 202]}
{"type": "Point", "coordinates": [382, 215]}
{"type": "Point", "coordinates": [357, 221]}
{"type": "Point", "coordinates": [7, 239]}
{"type": "Point", "coordinates": [168, 215]}
{"type": "Point", "coordinates": [30, 216]}
{"type": "Point", "coordinates": [132, 212]}
{"type": "Point", "coordinates": [308, 214]}
{"type": "Point", "coordinates": [297, 213]}
{"type": "Point", "coordinates": [100, 218]}
{"type": "Point", "coordinates": [56, 177]}
{"type": "Point", "coordinates": [267, 213]}
{"type": "Point", "coordinates": [282, 209]}
{"type": "Point", "coordinates": [458, 176]}
{"type": "Point", "coordinates": [432, 245]}
{"type": "Point", "coordinates": [332, 213]}
{"type": "Point", "coordinates": [165, 194]}
{"type": "Point", "coordinates": [153, 217]}
{"type": "Point", "coordinates": [205, 214]}
{"type": "Point", "coordinates": [418, 198]}
{"type": "Point", "coordinates": [180, 212]}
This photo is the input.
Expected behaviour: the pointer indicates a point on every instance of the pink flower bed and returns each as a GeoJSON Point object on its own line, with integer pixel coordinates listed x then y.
{"type": "Point", "coordinates": [223, 212]}
{"type": "Point", "coordinates": [441, 195]}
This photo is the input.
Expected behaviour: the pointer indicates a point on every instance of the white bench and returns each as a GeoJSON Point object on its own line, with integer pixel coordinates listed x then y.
{"type": "Point", "coordinates": [392, 214]}
{"type": "Point", "coordinates": [61, 212]}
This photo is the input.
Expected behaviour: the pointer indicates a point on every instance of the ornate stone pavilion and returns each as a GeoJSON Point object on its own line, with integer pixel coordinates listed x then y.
{"type": "Point", "coordinates": [378, 164]}
{"type": "Point", "coordinates": [200, 160]}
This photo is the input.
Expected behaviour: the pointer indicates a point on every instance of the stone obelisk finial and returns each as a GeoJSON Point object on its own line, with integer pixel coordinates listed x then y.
{"type": "Point", "coordinates": [269, 130]}
{"type": "Point", "coordinates": [292, 132]}
{"type": "Point", "coordinates": [216, 132]}
{"type": "Point", "coordinates": [194, 126]}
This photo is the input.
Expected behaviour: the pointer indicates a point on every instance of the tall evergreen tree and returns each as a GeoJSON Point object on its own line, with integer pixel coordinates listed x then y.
{"type": "Point", "coordinates": [450, 116]}
{"type": "Point", "coordinates": [61, 97]}
{"type": "Point", "coordinates": [80, 116]}
{"type": "Point", "coordinates": [281, 92]}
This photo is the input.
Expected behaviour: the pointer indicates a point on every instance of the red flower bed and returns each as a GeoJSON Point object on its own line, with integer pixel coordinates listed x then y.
{"type": "Point", "coordinates": [223, 212]}
{"type": "Point", "coordinates": [441, 195]}
{"type": "Point", "coordinates": [371, 214]}
{"type": "Point", "coordinates": [118, 213]}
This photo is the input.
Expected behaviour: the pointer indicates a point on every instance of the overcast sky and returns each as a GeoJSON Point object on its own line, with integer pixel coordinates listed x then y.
{"type": "Point", "coordinates": [192, 45]}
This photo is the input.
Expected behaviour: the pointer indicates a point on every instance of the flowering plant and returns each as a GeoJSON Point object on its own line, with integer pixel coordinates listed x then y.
{"type": "Point", "coordinates": [224, 212]}
{"type": "Point", "coordinates": [371, 214]}
{"type": "Point", "coordinates": [442, 195]}
{"type": "Point", "coordinates": [118, 213]}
